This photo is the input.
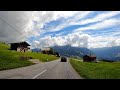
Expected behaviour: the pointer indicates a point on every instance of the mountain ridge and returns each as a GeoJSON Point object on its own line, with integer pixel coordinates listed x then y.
{"type": "Point", "coordinates": [72, 51]}
{"type": "Point", "coordinates": [109, 53]}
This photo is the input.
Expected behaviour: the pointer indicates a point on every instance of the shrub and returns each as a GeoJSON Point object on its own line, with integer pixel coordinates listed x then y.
{"type": "Point", "coordinates": [29, 57]}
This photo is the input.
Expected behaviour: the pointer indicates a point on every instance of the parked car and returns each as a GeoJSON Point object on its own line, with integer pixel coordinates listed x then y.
{"type": "Point", "coordinates": [63, 59]}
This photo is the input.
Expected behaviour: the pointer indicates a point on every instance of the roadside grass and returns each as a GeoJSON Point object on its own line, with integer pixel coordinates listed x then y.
{"type": "Point", "coordinates": [41, 57]}
{"type": "Point", "coordinates": [100, 70]}
{"type": "Point", "coordinates": [10, 59]}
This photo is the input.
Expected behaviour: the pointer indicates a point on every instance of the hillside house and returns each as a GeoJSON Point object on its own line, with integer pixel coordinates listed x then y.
{"type": "Point", "coordinates": [87, 58]}
{"type": "Point", "coordinates": [20, 46]}
{"type": "Point", "coordinates": [47, 50]}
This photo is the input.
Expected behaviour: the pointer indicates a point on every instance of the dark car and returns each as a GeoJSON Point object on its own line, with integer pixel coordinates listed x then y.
{"type": "Point", "coordinates": [63, 59]}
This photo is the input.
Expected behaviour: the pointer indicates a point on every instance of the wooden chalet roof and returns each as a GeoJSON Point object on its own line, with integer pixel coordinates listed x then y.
{"type": "Point", "coordinates": [21, 43]}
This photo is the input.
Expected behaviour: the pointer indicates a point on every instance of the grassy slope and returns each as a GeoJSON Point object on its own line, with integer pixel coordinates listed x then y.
{"type": "Point", "coordinates": [41, 57]}
{"type": "Point", "coordinates": [10, 59]}
{"type": "Point", "coordinates": [101, 70]}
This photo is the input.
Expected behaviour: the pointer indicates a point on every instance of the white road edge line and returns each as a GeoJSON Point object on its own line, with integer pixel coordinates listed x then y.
{"type": "Point", "coordinates": [39, 74]}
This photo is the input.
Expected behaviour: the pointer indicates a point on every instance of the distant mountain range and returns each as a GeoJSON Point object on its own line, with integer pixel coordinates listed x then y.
{"type": "Point", "coordinates": [109, 53]}
{"type": "Point", "coordinates": [36, 50]}
{"type": "Point", "coordinates": [72, 51]}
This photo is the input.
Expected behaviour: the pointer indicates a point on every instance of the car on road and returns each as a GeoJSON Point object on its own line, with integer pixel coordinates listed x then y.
{"type": "Point", "coordinates": [63, 59]}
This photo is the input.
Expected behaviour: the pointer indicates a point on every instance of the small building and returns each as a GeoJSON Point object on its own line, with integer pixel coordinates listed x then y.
{"type": "Point", "coordinates": [87, 58]}
{"type": "Point", "coordinates": [47, 50]}
{"type": "Point", "coordinates": [20, 46]}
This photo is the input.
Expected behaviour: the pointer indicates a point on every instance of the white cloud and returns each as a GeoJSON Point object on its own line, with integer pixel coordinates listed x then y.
{"type": "Point", "coordinates": [22, 22]}
{"type": "Point", "coordinates": [100, 17]}
{"type": "Point", "coordinates": [79, 40]}
{"type": "Point", "coordinates": [16, 25]}
{"type": "Point", "coordinates": [36, 43]}
{"type": "Point", "coordinates": [103, 41]}
{"type": "Point", "coordinates": [84, 40]}
{"type": "Point", "coordinates": [71, 39]}
{"type": "Point", "coordinates": [70, 21]}
{"type": "Point", "coordinates": [101, 25]}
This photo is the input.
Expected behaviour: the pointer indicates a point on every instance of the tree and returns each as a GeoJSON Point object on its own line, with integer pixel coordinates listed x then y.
{"type": "Point", "coordinates": [57, 54]}
{"type": "Point", "coordinates": [51, 51]}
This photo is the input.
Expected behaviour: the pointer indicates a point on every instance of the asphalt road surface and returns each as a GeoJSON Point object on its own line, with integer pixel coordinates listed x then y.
{"type": "Point", "coordinates": [45, 70]}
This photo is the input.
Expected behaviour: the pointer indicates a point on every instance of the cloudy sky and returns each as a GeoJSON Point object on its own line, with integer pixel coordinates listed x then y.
{"type": "Point", "coordinates": [91, 29]}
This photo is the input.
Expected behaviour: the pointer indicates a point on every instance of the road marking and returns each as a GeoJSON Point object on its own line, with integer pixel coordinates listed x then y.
{"type": "Point", "coordinates": [39, 74]}
{"type": "Point", "coordinates": [43, 72]}
{"type": "Point", "coordinates": [52, 66]}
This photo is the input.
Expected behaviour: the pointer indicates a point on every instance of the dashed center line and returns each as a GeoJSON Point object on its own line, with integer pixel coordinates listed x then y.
{"type": "Point", "coordinates": [43, 72]}
{"type": "Point", "coordinates": [39, 74]}
{"type": "Point", "coordinates": [52, 66]}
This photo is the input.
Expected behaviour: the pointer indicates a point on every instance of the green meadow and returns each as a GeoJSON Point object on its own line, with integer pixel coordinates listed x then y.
{"type": "Point", "coordinates": [10, 59]}
{"type": "Point", "coordinates": [100, 70]}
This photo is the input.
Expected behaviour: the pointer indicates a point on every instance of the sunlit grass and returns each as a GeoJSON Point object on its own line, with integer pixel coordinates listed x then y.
{"type": "Point", "coordinates": [10, 59]}
{"type": "Point", "coordinates": [101, 70]}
